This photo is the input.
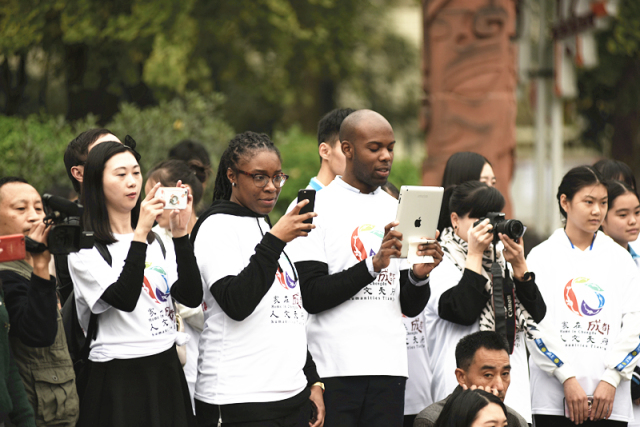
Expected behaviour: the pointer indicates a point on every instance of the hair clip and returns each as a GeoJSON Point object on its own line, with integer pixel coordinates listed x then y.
{"type": "Point", "coordinates": [131, 143]}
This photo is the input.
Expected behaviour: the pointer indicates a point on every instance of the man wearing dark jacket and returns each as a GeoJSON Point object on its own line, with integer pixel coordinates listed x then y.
{"type": "Point", "coordinates": [36, 335]}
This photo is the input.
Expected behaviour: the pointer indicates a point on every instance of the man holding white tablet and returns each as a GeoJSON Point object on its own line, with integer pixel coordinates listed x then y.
{"type": "Point", "coordinates": [354, 286]}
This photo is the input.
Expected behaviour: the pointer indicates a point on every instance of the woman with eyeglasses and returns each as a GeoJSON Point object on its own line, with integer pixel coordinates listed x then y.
{"type": "Point", "coordinates": [254, 367]}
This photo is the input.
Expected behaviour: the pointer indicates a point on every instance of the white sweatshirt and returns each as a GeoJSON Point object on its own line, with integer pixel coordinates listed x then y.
{"type": "Point", "coordinates": [593, 317]}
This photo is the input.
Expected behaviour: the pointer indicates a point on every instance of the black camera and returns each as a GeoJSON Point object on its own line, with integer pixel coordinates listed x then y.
{"type": "Point", "coordinates": [66, 234]}
{"type": "Point", "coordinates": [509, 227]}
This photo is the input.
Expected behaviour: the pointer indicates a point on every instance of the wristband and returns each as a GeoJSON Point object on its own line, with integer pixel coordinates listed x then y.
{"type": "Point", "coordinates": [319, 384]}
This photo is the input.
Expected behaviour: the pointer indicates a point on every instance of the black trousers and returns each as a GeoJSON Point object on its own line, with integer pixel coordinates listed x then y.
{"type": "Point", "coordinates": [364, 401]}
{"type": "Point", "coordinates": [559, 421]}
{"type": "Point", "coordinates": [208, 415]}
{"type": "Point", "coordinates": [409, 419]}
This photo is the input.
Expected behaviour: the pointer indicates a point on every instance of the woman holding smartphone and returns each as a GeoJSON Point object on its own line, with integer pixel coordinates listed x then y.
{"type": "Point", "coordinates": [254, 368]}
{"type": "Point", "coordinates": [591, 287]}
{"type": "Point", "coordinates": [135, 377]}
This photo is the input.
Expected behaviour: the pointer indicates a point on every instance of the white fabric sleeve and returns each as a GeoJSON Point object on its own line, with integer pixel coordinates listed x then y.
{"type": "Point", "coordinates": [369, 263]}
{"type": "Point", "coordinates": [546, 350]}
{"type": "Point", "coordinates": [91, 276]}
{"type": "Point", "coordinates": [217, 249]}
{"type": "Point", "coordinates": [544, 344]}
{"type": "Point", "coordinates": [622, 357]}
{"type": "Point", "coordinates": [193, 316]}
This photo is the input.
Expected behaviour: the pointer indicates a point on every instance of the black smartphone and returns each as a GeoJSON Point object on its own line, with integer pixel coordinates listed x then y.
{"type": "Point", "coordinates": [310, 195]}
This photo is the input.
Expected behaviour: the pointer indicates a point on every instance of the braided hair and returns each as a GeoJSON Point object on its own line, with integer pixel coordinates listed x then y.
{"type": "Point", "coordinates": [241, 145]}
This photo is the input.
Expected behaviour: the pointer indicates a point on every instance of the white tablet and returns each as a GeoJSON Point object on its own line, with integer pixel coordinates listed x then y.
{"type": "Point", "coordinates": [418, 213]}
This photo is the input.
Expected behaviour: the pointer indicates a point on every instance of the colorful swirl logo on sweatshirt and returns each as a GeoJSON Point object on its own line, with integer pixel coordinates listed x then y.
{"type": "Point", "coordinates": [158, 276]}
{"type": "Point", "coordinates": [583, 297]}
{"type": "Point", "coordinates": [285, 280]}
{"type": "Point", "coordinates": [365, 241]}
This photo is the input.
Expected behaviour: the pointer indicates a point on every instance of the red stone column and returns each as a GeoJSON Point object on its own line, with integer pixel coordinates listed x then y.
{"type": "Point", "coordinates": [469, 83]}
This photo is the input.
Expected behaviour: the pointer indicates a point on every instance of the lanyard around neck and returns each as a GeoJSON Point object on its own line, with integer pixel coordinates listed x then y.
{"type": "Point", "coordinates": [590, 246]}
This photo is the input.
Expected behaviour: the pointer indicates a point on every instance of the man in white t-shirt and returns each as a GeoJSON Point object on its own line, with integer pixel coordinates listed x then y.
{"type": "Point", "coordinates": [482, 360]}
{"type": "Point", "coordinates": [355, 288]}
{"type": "Point", "coordinates": [332, 159]}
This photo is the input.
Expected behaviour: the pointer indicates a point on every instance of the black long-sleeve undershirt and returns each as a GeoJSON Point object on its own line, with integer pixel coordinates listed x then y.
{"type": "Point", "coordinates": [238, 296]}
{"type": "Point", "coordinates": [463, 303]}
{"type": "Point", "coordinates": [123, 294]}
{"type": "Point", "coordinates": [187, 290]}
{"type": "Point", "coordinates": [413, 299]}
{"type": "Point", "coordinates": [33, 308]}
{"type": "Point", "coordinates": [321, 291]}
{"type": "Point", "coordinates": [310, 370]}
{"type": "Point", "coordinates": [530, 297]}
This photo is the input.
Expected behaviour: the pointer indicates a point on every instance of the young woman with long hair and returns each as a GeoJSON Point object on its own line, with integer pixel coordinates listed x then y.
{"type": "Point", "coordinates": [462, 167]}
{"type": "Point", "coordinates": [124, 286]}
{"type": "Point", "coordinates": [591, 287]}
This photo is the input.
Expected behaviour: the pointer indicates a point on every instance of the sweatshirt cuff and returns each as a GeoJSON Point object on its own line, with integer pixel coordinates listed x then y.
{"type": "Point", "coordinates": [181, 242]}
{"type": "Point", "coordinates": [137, 252]}
{"type": "Point", "coordinates": [612, 377]}
{"type": "Point", "coordinates": [369, 263]}
{"type": "Point", "coordinates": [528, 288]}
{"type": "Point", "coordinates": [563, 373]}
{"type": "Point", "coordinates": [273, 243]}
{"type": "Point", "coordinates": [415, 281]}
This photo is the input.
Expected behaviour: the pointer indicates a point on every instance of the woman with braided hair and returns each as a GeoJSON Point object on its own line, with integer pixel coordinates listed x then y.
{"type": "Point", "coordinates": [254, 368]}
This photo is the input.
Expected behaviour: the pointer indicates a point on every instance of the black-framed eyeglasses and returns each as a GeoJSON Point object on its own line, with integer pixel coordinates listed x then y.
{"type": "Point", "coordinates": [260, 180]}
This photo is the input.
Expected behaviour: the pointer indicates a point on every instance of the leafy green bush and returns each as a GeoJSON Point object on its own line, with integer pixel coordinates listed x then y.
{"type": "Point", "coordinates": [157, 129]}
{"type": "Point", "coordinates": [300, 161]}
{"type": "Point", "coordinates": [33, 148]}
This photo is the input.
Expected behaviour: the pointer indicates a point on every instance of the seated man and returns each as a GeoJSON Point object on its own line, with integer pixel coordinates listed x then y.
{"type": "Point", "coordinates": [482, 361]}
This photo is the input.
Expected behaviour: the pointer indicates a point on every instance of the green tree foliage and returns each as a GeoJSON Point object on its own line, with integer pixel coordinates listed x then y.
{"type": "Point", "coordinates": [33, 148]}
{"type": "Point", "coordinates": [278, 62]}
{"type": "Point", "coordinates": [610, 93]}
{"type": "Point", "coordinates": [157, 129]}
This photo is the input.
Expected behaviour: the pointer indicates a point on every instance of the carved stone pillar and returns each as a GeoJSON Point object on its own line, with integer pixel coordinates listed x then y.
{"type": "Point", "coordinates": [469, 82]}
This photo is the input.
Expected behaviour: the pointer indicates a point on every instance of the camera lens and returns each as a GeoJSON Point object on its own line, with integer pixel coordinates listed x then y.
{"type": "Point", "coordinates": [513, 228]}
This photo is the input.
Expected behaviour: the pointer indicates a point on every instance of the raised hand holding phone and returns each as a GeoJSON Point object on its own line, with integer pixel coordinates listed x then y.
{"type": "Point", "coordinates": [293, 224]}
